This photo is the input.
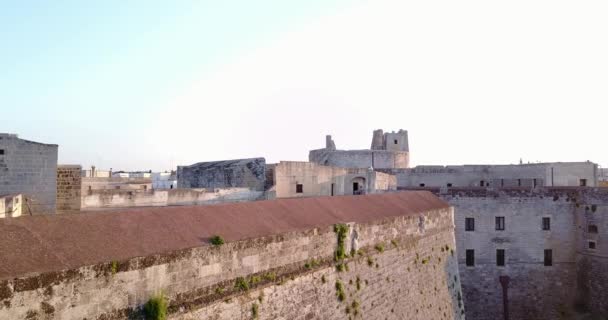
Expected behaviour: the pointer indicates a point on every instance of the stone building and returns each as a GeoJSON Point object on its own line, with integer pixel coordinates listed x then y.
{"type": "Point", "coordinates": [306, 179]}
{"type": "Point", "coordinates": [553, 174]}
{"type": "Point", "coordinates": [239, 173]}
{"type": "Point", "coordinates": [29, 168]}
{"type": "Point", "coordinates": [388, 151]}
{"type": "Point", "coordinates": [383, 256]}
{"type": "Point", "coordinates": [551, 242]}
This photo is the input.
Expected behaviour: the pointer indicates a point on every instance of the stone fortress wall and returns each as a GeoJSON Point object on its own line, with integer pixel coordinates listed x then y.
{"type": "Point", "coordinates": [241, 173]}
{"type": "Point", "coordinates": [575, 283]}
{"type": "Point", "coordinates": [29, 168]}
{"type": "Point", "coordinates": [398, 261]}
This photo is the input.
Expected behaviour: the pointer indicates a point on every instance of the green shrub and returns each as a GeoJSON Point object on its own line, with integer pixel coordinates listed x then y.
{"type": "Point", "coordinates": [342, 231]}
{"type": "Point", "coordinates": [255, 311]}
{"type": "Point", "coordinates": [114, 267]}
{"type": "Point", "coordinates": [156, 308]}
{"type": "Point", "coordinates": [340, 290]}
{"type": "Point", "coordinates": [217, 240]}
{"type": "Point", "coordinates": [379, 247]}
{"type": "Point", "coordinates": [241, 284]}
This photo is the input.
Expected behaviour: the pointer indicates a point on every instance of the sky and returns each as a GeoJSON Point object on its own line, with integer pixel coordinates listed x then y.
{"type": "Point", "coordinates": [149, 85]}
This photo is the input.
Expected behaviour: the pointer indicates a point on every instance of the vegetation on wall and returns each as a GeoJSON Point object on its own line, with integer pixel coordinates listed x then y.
{"type": "Point", "coordinates": [156, 308]}
{"type": "Point", "coordinates": [217, 240]}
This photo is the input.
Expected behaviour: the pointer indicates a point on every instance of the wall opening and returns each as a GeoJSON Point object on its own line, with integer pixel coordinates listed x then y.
{"type": "Point", "coordinates": [449, 185]}
{"type": "Point", "coordinates": [396, 141]}
{"type": "Point", "coordinates": [470, 257]}
{"type": "Point", "coordinates": [469, 224]}
{"type": "Point", "coordinates": [546, 223]}
{"type": "Point", "coordinates": [583, 182]}
{"type": "Point", "coordinates": [592, 245]}
{"type": "Point", "coordinates": [500, 257]}
{"type": "Point", "coordinates": [332, 189]}
{"type": "Point", "coordinates": [592, 228]}
{"type": "Point", "coordinates": [299, 188]}
{"type": "Point", "coordinates": [422, 184]}
{"type": "Point", "coordinates": [1, 152]}
{"type": "Point", "coordinates": [500, 223]}
{"type": "Point", "coordinates": [548, 259]}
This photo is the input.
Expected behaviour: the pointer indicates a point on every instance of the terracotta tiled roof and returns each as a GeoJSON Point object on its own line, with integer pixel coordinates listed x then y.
{"type": "Point", "coordinates": [35, 244]}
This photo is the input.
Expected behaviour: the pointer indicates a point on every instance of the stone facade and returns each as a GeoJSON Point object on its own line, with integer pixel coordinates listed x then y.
{"type": "Point", "coordinates": [576, 283]}
{"type": "Point", "coordinates": [318, 180]}
{"type": "Point", "coordinates": [69, 184]}
{"type": "Point", "coordinates": [11, 205]}
{"type": "Point", "coordinates": [403, 263]}
{"type": "Point", "coordinates": [240, 173]}
{"type": "Point", "coordinates": [29, 168]}
{"type": "Point", "coordinates": [573, 174]}
{"type": "Point", "coordinates": [389, 150]}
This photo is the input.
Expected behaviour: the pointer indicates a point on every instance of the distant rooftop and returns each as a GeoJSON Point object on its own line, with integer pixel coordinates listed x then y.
{"type": "Point", "coordinates": [35, 244]}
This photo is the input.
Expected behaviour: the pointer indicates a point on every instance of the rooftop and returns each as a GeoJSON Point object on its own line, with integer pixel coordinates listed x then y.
{"type": "Point", "coordinates": [36, 244]}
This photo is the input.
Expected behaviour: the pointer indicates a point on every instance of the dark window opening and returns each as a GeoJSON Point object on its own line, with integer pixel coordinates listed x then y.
{"type": "Point", "coordinates": [332, 189]}
{"type": "Point", "coordinates": [548, 261]}
{"type": "Point", "coordinates": [546, 223]}
{"type": "Point", "coordinates": [500, 257]}
{"type": "Point", "coordinates": [449, 184]}
{"type": "Point", "coordinates": [299, 188]}
{"type": "Point", "coordinates": [469, 224]}
{"type": "Point", "coordinates": [470, 257]}
{"type": "Point", "coordinates": [355, 186]}
{"type": "Point", "coordinates": [534, 183]}
{"type": "Point", "coordinates": [583, 182]}
{"type": "Point", "coordinates": [502, 182]}
{"type": "Point", "coordinates": [16, 200]}
{"type": "Point", "coordinates": [500, 223]}
{"type": "Point", "coordinates": [145, 187]}
{"type": "Point", "coordinates": [422, 184]}
{"type": "Point", "coordinates": [482, 183]}
{"type": "Point", "coordinates": [591, 244]}
{"type": "Point", "coordinates": [171, 187]}
{"type": "Point", "coordinates": [1, 151]}
{"type": "Point", "coordinates": [519, 182]}
{"type": "Point", "coordinates": [592, 228]}
{"type": "Point", "coordinates": [395, 141]}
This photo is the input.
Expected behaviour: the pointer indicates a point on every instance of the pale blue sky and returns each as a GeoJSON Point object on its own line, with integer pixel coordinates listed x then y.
{"type": "Point", "coordinates": [154, 84]}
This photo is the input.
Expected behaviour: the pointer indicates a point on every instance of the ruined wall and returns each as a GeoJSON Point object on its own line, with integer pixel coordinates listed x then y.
{"type": "Point", "coordinates": [69, 184]}
{"type": "Point", "coordinates": [240, 173]}
{"type": "Point", "coordinates": [403, 268]}
{"type": "Point", "coordinates": [378, 159]}
{"type": "Point", "coordinates": [103, 199]}
{"type": "Point", "coordinates": [29, 168]}
{"type": "Point", "coordinates": [114, 183]}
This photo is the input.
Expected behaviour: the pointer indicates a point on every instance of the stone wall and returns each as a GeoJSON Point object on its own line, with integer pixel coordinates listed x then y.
{"type": "Point", "coordinates": [401, 267]}
{"type": "Point", "coordinates": [105, 199]}
{"type": "Point", "coordinates": [114, 183]}
{"type": "Point", "coordinates": [29, 168]}
{"type": "Point", "coordinates": [69, 184]}
{"type": "Point", "coordinates": [378, 159]}
{"type": "Point", "coordinates": [240, 173]}
{"type": "Point", "coordinates": [524, 175]}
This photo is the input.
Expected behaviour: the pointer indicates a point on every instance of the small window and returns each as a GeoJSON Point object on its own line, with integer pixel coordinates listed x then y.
{"type": "Point", "coordinates": [1, 151]}
{"type": "Point", "coordinates": [534, 183]}
{"type": "Point", "coordinates": [16, 200]}
{"type": "Point", "coordinates": [500, 257]}
{"type": "Point", "coordinates": [583, 182]}
{"type": "Point", "coordinates": [422, 184]}
{"type": "Point", "coordinates": [469, 224]}
{"type": "Point", "coordinates": [299, 188]}
{"type": "Point", "coordinates": [396, 141]}
{"type": "Point", "coordinates": [592, 245]}
{"type": "Point", "coordinates": [449, 185]}
{"type": "Point", "coordinates": [500, 223]}
{"type": "Point", "coordinates": [482, 183]}
{"type": "Point", "coordinates": [470, 257]}
{"type": "Point", "coordinates": [519, 182]}
{"type": "Point", "coordinates": [548, 261]}
{"type": "Point", "coordinates": [546, 223]}
{"type": "Point", "coordinates": [592, 228]}
{"type": "Point", "coordinates": [145, 187]}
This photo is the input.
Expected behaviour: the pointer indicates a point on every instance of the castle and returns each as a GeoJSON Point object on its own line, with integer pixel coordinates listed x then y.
{"type": "Point", "coordinates": [353, 234]}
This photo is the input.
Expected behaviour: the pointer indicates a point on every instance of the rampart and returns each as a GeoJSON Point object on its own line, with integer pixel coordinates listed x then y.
{"type": "Point", "coordinates": [69, 184]}
{"type": "Point", "coordinates": [388, 256]}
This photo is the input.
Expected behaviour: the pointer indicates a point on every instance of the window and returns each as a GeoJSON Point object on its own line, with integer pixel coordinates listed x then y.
{"type": "Point", "coordinates": [546, 223]}
{"type": "Point", "coordinates": [396, 141]}
{"type": "Point", "coordinates": [592, 228]}
{"type": "Point", "coordinates": [500, 223]}
{"type": "Point", "coordinates": [299, 188]}
{"type": "Point", "coordinates": [145, 187]}
{"type": "Point", "coordinates": [332, 189]}
{"type": "Point", "coordinates": [592, 245]}
{"type": "Point", "coordinates": [470, 257]}
{"type": "Point", "coordinates": [449, 184]}
{"type": "Point", "coordinates": [482, 183]}
{"type": "Point", "coordinates": [583, 182]}
{"type": "Point", "coordinates": [469, 224]}
{"type": "Point", "coordinates": [500, 257]}
{"type": "Point", "coordinates": [519, 182]}
{"type": "Point", "coordinates": [16, 200]}
{"type": "Point", "coordinates": [548, 257]}
{"type": "Point", "coordinates": [534, 183]}
{"type": "Point", "coordinates": [1, 151]}
{"type": "Point", "coordinates": [422, 184]}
